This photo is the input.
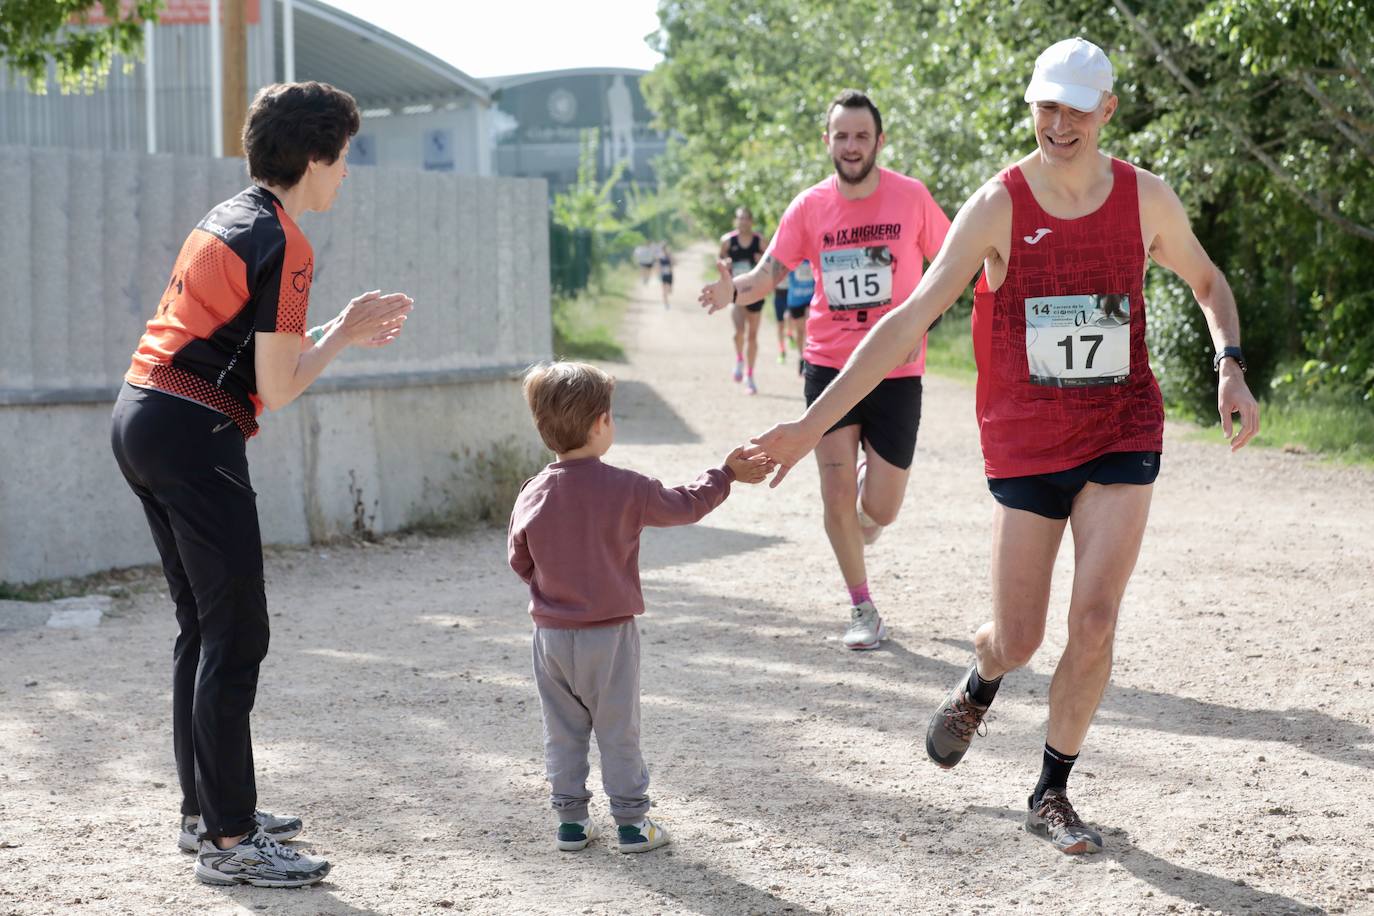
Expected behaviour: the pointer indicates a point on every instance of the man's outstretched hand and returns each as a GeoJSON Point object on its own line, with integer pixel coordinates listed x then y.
{"type": "Point", "coordinates": [716, 296]}
{"type": "Point", "coordinates": [749, 463]}
{"type": "Point", "coordinates": [785, 445]}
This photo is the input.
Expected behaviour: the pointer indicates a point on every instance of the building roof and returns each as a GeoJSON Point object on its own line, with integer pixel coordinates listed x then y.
{"type": "Point", "coordinates": [519, 79]}
{"type": "Point", "coordinates": [379, 69]}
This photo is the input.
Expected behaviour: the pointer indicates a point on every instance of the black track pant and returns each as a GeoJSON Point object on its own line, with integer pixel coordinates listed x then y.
{"type": "Point", "coordinates": [189, 467]}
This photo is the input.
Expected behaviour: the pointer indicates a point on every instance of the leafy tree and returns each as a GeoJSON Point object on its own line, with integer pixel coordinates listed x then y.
{"type": "Point", "coordinates": [591, 229]}
{"type": "Point", "coordinates": [34, 32]}
{"type": "Point", "coordinates": [1260, 113]}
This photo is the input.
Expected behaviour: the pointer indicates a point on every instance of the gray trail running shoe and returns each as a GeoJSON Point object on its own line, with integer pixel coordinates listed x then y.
{"type": "Point", "coordinates": [278, 828]}
{"type": "Point", "coordinates": [1055, 819]}
{"type": "Point", "coordinates": [866, 628]}
{"type": "Point", "coordinates": [953, 726]}
{"type": "Point", "coordinates": [575, 835]}
{"type": "Point", "coordinates": [641, 837]}
{"type": "Point", "coordinates": [260, 861]}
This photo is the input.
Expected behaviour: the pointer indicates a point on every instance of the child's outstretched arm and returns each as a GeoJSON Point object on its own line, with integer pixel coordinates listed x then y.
{"type": "Point", "coordinates": [667, 506]}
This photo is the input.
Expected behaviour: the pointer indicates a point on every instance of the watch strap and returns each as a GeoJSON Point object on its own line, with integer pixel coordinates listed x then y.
{"type": "Point", "coordinates": [1231, 353]}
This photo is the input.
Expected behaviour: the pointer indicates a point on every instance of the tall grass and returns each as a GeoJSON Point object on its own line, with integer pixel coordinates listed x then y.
{"type": "Point", "coordinates": [1323, 422]}
{"type": "Point", "coordinates": [949, 347]}
{"type": "Point", "coordinates": [587, 326]}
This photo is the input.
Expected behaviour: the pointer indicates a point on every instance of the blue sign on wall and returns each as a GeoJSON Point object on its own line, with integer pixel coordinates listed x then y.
{"type": "Point", "coordinates": [439, 150]}
{"type": "Point", "coordinates": [362, 150]}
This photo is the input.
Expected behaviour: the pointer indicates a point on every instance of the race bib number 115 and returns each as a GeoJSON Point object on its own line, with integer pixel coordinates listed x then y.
{"type": "Point", "coordinates": [1074, 341]}
{"type": "Point", "coordinates": [857, 278]}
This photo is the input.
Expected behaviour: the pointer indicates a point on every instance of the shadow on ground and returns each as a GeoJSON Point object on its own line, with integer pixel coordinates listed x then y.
{"type": "Point", "coordinates": [1308, 730]}
{"type": "Point", "coordinates": [643, 417]}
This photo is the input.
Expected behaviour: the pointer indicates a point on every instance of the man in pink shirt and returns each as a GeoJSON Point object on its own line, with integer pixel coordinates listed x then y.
{"type": "Point", "coordinates": [867, 232]}
{"type": "Point", "coordinates": [574, 539]}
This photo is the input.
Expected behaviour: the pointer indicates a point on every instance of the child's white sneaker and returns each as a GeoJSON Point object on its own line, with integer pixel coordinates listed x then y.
{"type": "Point", "coordinates": [642, 837]}
{"type": "Point", "coordinates": [575, 835]}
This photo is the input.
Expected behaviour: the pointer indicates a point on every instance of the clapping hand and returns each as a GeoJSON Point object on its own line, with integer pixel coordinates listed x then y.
{"type": "Point", "coordinates": [374, 320]}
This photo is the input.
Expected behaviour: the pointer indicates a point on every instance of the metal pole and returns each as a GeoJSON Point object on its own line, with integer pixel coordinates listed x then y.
{"type": "Point", "coordinates": [235, 75]}
{"type": "Point", "coordinates": [150, 85]}
{"type": "Point", "coordinates": [288, 39]}
{"type": "Point", "coordinates": [216, 84]}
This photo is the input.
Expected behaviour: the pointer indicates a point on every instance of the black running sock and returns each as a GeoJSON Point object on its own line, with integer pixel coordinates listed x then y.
{"type": "Point", "coordinates": [1054, 773]}
{"type": "Point", "coordinates": [980, 690]}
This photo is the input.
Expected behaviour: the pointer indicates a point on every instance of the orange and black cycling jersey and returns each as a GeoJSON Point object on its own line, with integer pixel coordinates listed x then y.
{"type": "Point", "coordinates": [245, 268]}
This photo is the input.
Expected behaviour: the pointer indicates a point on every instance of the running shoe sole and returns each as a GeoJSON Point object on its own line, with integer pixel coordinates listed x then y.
{"type": "Point", "coordinates": [866, 646]}
{"type": "Point", "coordinates": [219, 879]}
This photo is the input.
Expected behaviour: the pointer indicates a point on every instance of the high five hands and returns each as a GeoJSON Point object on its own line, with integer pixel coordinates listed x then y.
{"type": "Point", "coordinates": [784, 445]}
{"type": "Point", "coordinates": [716, 296]}
{"type": "Point", "coordinates": [749, 464]}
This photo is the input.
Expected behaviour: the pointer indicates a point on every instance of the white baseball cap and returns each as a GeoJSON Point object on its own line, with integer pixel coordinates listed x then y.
{"type": "Point", "coordinates": [1072, 72]}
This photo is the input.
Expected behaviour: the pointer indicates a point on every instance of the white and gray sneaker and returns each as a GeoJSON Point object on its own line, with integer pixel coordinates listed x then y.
{"type": "Point", "coordinates": [278, 828]}
{"type": "Point", "coordinates": [260, 861]}
{"type": "Point", "coordinates": [866, 627]}
{"type": "Point", "coordinates": [575, 835]}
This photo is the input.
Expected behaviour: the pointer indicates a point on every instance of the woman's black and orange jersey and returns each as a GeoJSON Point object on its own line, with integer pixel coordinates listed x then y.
{"type": "Point", "coordinates": [247, 267]}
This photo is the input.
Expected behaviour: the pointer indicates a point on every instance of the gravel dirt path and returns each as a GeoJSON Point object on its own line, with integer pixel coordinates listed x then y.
{"type": "Point", "coordinates": [1230, 768]}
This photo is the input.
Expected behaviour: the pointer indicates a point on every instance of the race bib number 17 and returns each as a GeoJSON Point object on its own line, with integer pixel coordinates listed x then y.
{"type": "Point", "coordinates": [1075, 341]}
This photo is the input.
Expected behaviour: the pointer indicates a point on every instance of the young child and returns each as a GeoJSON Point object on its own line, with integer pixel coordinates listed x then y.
{"type": "Point", "coordinates": [574, 538]}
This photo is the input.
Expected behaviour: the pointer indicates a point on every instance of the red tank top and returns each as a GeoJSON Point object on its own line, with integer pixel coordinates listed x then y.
{"type": "Point", "coordinates": [1063, 373]}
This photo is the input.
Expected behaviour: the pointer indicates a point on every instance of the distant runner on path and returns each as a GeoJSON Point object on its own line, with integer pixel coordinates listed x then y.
{"type": "Point", "coordinates": [742, 247]}
{"type": "Point", "coordinates": [867, 232]}
{"type": "Point", "coordinates": [1068, 409]}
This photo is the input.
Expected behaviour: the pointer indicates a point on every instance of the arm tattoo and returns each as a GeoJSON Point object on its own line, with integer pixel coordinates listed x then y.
{"type": "Point", "coordinates": [775, 268]}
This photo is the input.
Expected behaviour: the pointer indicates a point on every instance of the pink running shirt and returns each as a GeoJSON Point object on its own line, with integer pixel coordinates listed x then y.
{"type": "Point", "coordinates": [868, 256]}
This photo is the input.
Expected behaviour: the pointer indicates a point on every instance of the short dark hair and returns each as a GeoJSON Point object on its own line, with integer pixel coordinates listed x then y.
{"type": "Point", "coordinates": [854, 98]}
{"type": "Point", "coordinates": [289, 124]}
{"type": "Point", "coordinates": [565, 400]}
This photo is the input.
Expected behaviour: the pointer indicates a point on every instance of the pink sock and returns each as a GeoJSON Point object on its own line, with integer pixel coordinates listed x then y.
{"type": "Point", "coordinates": [859, 593]}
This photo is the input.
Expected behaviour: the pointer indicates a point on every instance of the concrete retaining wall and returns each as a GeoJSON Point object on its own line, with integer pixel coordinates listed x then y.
{"type": "Point", "coordinates": [386, 438]}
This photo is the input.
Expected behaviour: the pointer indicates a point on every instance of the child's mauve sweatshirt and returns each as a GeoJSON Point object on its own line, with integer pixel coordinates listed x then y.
{"type": "Point", "coordinates": [574, 536]}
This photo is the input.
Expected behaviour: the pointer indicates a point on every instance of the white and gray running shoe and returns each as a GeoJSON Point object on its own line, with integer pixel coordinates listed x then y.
{"type": "Point", "coordinates": [866, 627]}
{"type": "Point", "coordinates": [278, 828]}
{"type": "Point", "coordinates": [260, 861]}
{"type": "Point", "coordinates": [1055, 819]}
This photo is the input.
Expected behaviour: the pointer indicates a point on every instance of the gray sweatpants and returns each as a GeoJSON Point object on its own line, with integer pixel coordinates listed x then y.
{"type": "Point", "coordinates": [588, 681]}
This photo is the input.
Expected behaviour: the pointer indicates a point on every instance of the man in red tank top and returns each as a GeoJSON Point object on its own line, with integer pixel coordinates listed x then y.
{"type": "Point", "coordinates": [1068, 409]}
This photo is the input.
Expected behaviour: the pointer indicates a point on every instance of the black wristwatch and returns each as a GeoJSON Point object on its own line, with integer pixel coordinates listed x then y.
{"type": "Point", "coordinates": [1228, 353]}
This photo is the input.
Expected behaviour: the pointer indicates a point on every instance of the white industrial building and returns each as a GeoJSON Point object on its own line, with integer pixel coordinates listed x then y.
{"type": "Point", "coordinates": [418, 111]}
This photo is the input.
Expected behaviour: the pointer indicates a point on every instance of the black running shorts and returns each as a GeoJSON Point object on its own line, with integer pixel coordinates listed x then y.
{"type": "Point", "coordinates": [1052, 495]}
{"type": "Point", "coordinates": [888, 417]}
